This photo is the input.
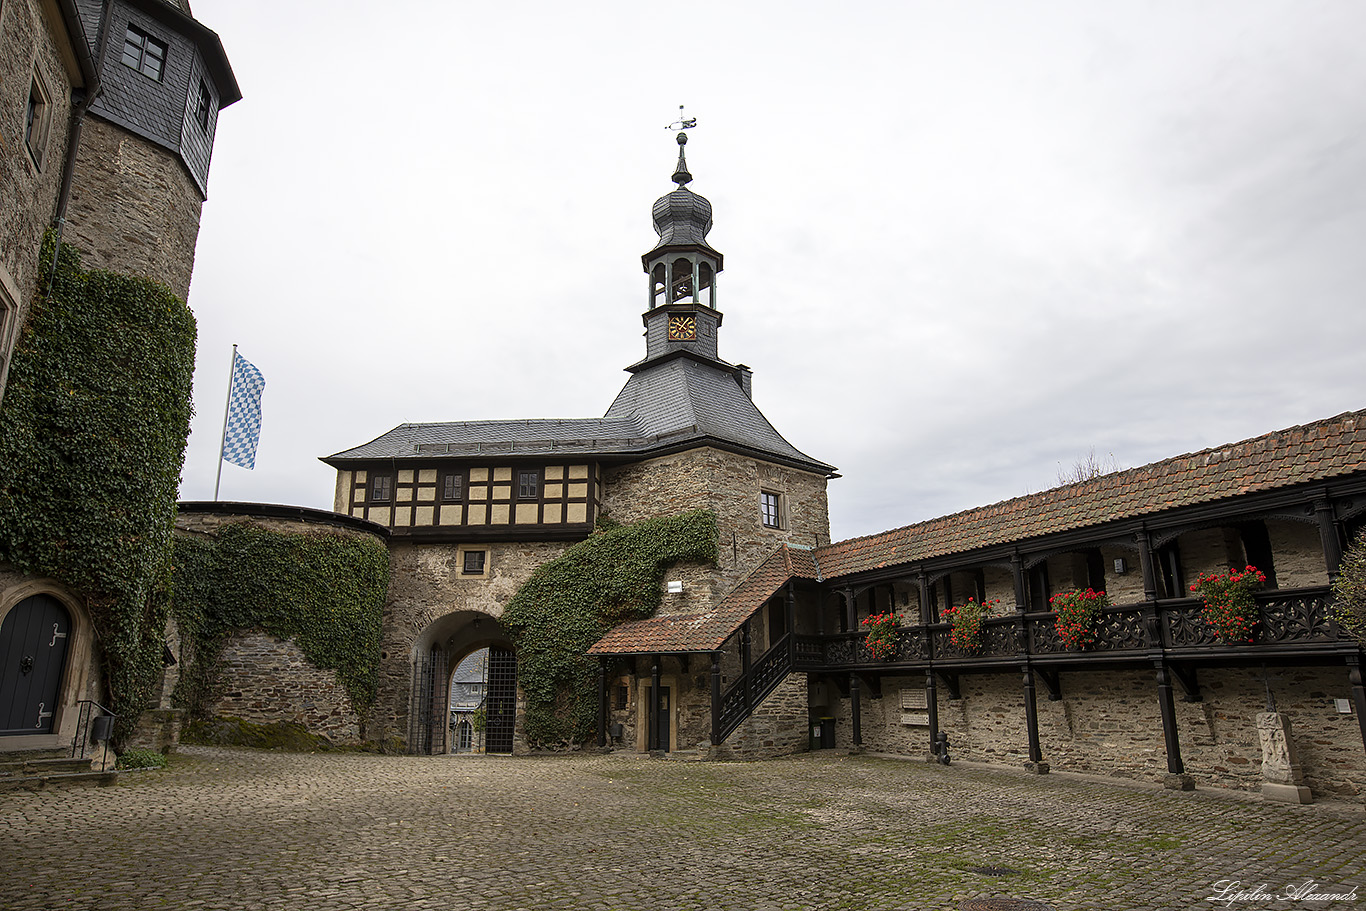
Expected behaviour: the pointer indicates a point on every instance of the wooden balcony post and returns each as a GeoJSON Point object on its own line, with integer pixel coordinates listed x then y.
{"type": "Point", "coordinates": [932, 704]}
{"type": "Point", "coordinates": [1176, 777]}
{"type": "Point", "coordinates": [791, 608]}
{"type": "Point", "coordinates": [716, 698]}
{"type": "Point", "coordinates": [927, 612]}
{"type": "Point", "coordinates": [1036, 763]}
{"type": "Point", "coordinates": [602, 702]}
{"type": "Point", "coordinates": [1328, 534]}
{"type": "Point", "coordinates": [1017, 569]}
{"type": "Point", "coordinates": [854, 709]}
{"type": "Point", "coordinates": [744, 663]}
{"type": "Point", "coordinates": [1358, 693]}
{"type": "Point", "coordinates": [657, 700]}
{"type": "Point", "coordinates": [1145, 565]}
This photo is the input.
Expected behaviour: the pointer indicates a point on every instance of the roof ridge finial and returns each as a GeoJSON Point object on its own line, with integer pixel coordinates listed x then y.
{"type": "Point", "coordinates": [681, 175]}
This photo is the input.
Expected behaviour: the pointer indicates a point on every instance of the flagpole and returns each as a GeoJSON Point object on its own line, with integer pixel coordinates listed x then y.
{"type": "Point", "coordinates": [232, 374]}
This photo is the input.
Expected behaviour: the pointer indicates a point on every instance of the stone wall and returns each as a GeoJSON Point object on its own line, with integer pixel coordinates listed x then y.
{"type": "Point", "coordinates": [29, 43]}
{"type": "Point", "coordinates": [1110, 724]}
{"type": "Point", "coordinates": [266, 680]}
{"type": "Point", "coordinates": [779, 726]}
{"type": "Point", "coordinates": [728, 485]}
{"type": "Point", "coordinates": [134, 207]}
{"type": "Point", "coordinates": [431, 602]}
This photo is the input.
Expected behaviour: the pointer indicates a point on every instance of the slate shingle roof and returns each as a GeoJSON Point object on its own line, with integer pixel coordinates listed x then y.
{"type": "Point", "coordinates": [706, 631]}
{"type": "Point", "coordinates": [1325, 449]}
{"type": "Point", "coordinates": [663, 407]}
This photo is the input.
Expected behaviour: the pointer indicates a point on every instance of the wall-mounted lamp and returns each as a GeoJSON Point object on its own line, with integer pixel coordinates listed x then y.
{"type": "Point", "coordinates": [1121, 566]}
{"type": "Point", "coordinates": [675, 587]}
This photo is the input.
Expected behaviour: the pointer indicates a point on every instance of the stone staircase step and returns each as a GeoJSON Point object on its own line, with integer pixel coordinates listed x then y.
{"type": "Point", "coordinates": [58, 779]}
{"type": "Point", "coordinates": [45, 766]}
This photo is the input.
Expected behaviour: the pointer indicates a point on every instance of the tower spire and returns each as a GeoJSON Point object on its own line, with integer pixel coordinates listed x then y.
{"type": "Point", "coordinates": [681, 175]}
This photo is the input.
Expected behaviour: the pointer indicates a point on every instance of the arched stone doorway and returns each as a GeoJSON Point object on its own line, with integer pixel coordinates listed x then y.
{"type": "Point", "coordinates": [437, 653]}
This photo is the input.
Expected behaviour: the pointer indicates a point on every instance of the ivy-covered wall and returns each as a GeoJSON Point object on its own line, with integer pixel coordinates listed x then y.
{"type": "Point", "coordinates": [92, 439]}
{"type": "Point", "coordinates": [571, 602]}
{"type": "Point", "coordinates": [324, 591]}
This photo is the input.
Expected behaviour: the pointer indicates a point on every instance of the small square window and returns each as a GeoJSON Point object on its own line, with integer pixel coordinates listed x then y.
{"type": "Point", "coordinates": [528, 485]}
{"type": "Point", "coordinates": [144, 53]}
{"type": "Point", "coordinates": [37, 119]}
{"type": "Point", "coordinates": [453, 487]}
{"type": "Point", "coordinates": [381, 488]}
{"type": "Point", "coordinates": [771, 509]}
{"type": "Point", "coordinates": [473, 563]}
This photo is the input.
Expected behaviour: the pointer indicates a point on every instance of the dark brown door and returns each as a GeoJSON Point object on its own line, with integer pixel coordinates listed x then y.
{"type": "Point", "coordinates": [32, 657]}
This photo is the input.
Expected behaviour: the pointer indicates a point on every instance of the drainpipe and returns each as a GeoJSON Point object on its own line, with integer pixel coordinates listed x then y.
{"type": "Point", "coordinates": [79, 106]}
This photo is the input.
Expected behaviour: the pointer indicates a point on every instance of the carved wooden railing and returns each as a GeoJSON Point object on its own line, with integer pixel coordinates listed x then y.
{"type": "Point", "coordinates": [1288, 620]}
{"type": "Point", "coordinates": [751, 688]}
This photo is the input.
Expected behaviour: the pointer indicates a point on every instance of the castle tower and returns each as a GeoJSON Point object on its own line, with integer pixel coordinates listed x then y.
{"type": "Point", "coordinates": [142, 164]}
{"type": "Point", "coordinates": [682, 267]}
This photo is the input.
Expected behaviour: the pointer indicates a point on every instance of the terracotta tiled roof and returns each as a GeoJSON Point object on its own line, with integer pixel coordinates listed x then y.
{"type": "Point", "coordinates": [706, 631]}
{"type": "Point", "coordinates": [1330, 448]}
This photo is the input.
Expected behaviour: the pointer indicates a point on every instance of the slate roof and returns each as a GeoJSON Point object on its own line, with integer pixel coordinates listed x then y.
{"type": "Point", "coordinates": [1325, 449]}
{"type": "Point", "coordinates": [706, 631]}
{"type": "Point", "coordinates": [668, 406]}
{"type": "Point", "coordinates": [683, 395]}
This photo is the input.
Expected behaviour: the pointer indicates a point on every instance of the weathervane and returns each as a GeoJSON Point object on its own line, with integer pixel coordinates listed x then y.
{"type": "Point", "coordinates": [683, 122]}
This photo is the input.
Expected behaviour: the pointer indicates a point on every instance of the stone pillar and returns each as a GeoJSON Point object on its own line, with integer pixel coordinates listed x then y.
{"type": "Point", "coordinates": [1282, 778]}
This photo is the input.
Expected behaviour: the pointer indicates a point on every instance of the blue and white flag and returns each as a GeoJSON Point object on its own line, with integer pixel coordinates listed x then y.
{"type": "Point", "coordinates": [243, 429]}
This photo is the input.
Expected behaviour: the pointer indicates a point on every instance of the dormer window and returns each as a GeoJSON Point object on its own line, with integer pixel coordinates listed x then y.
{"type": "Point", "coordinates": [144, 53]}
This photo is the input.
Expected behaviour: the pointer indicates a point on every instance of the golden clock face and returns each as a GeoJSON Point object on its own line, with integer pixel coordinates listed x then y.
{"type": "Point", "coordinates": [682, 328]}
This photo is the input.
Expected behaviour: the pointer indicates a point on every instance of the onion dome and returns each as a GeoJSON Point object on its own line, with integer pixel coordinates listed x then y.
{"type": "Point", "coordinates": [682, 217]}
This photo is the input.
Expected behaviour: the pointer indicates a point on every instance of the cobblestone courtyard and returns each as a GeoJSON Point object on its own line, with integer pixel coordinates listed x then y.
{"type": "Point", "coordinates": [248, 829]}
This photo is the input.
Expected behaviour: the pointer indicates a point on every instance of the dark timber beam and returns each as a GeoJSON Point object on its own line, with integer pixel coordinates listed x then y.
{"type": "Point", "coordinates": [602, 702]}
{"type": "Point", "coordinates": [932, 704]}
{"type": "Point", "coordinates": [1358, 693]}
{"type": "Point", "coordinates": [656, 700]}
{"type": "Point", "coordinates": [1328, 534]}
{"type": "Point", "coordinates": [716, 698]}
{"type": "Point", "coordinates": [854, 710]}
{"type": "Point", "coordinates": [1051, 683]}
{"type": "Point", "coordinates": [1036, 763]}
{"type": "Point", "coordinates": [1145, 565]}
{"type": "Point", "coordinates": [1190, 683]}
{"type": "Point", "coordinates": [1176, 779]}
{"type": "Point", "coordinates": [874, 684]}
{"type": "Point", "coordinates": [951, 681]}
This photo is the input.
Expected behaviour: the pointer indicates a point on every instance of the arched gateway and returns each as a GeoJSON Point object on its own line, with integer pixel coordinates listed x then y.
{"type": "Point", "coordinates": [437, 653]}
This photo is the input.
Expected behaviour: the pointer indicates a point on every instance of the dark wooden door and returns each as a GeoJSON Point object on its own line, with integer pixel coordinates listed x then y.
{"type": "Point", "coordinates": [500, 715]}
{"type": "Point", "coordinates": [33, 642]}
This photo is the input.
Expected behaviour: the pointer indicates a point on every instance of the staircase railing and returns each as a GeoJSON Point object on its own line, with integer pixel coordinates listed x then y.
{"type": "Point", "coordinates": [752, 687]}
{"type": "Point", "coordinates": [92, 727]}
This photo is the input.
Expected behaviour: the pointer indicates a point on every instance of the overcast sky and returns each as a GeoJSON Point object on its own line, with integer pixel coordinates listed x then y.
{"type": "Point", "coordinates": [966, 243]}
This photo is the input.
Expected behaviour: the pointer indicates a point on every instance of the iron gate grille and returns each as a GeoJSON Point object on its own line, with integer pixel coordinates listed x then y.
{"type": "Point", "coordinates": [428, 717]}
{"type": "Point", "coordinates": [501, 701]}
